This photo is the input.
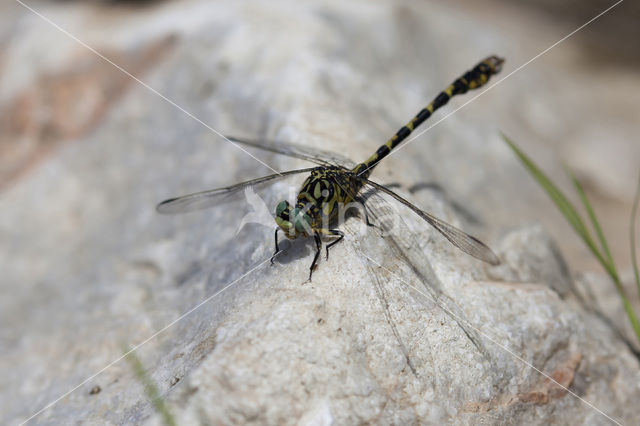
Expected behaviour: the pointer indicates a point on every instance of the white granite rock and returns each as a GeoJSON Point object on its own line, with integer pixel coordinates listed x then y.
{"type": "Point", "coordinates": [399, 329]}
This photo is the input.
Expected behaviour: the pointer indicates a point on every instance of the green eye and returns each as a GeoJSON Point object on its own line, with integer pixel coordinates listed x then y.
{"type": "Point", "coordinates": [281, 207]}
{"type": "Point", "coordinates": [300, 220]}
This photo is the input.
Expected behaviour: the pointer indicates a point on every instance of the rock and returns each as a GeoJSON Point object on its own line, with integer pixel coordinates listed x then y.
{"type": "Point", "coordinates": [600, 296]}
{"type": "Point", "coordinates": [394, 329]}
{"type": "Point", "coordinates": [68, 104]}
{"type": "Point", "coordinates": [531, 255]}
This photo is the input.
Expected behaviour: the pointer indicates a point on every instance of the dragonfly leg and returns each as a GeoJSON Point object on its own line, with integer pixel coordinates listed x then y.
{"type": "Point", "coordinates": [318, 241]}
{"type": "Point", "coordinates": [366, 212]}
{"type": "Point", "coordinates": [340, 236]}
{"type": "Point", "coordinates": [277, 248]}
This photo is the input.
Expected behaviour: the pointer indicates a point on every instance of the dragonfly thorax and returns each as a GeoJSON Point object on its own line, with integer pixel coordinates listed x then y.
{"type": "Point", "coordinates": [318, 202]}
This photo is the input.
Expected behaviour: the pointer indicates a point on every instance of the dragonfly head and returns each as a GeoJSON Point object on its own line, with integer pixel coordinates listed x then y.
{"type": "Point", "coordinates": [293, 221]}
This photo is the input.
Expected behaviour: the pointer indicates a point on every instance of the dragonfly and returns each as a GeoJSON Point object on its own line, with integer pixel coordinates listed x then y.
{"type": "Point", "coordinates": [335, 182]}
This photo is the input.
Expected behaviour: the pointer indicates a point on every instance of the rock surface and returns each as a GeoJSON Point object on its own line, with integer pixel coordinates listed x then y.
{"type": "Point", "coordinates": [395, 330]}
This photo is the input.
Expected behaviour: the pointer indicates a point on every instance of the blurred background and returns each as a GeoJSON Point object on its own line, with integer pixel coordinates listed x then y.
{"type": "Point", "coordinates": [86, 151]}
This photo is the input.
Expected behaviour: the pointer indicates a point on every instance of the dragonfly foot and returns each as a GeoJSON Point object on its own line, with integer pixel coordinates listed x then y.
{"type": "Point", "coordinates": [274, 256]}
{"type": "Point", "coordinates": [338, 234]}
{"type": "Point", "coordinates": [308, 281]}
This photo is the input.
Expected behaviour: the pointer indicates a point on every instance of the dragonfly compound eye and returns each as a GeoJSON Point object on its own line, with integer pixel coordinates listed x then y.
{"type": "Point", "coordinates": [282, 210]}
{"type": "Point", "coordinates": [301, 221]}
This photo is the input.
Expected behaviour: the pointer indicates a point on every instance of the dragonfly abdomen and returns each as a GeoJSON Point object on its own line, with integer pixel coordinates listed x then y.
{"type": "Point", "coordinates": [477, 77]}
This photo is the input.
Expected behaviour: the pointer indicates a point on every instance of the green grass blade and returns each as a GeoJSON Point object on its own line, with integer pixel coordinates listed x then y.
{"type": "Point", "coordinates": [634, 258]}
{"type": "Point", "coordinates": [150, 389]}
{"type": "Point", "coordinates": [563, 204]}
{"type": "Point", "coordinates": [632, 316]}
{"type": "Point", "coordinates": [594, 221]}
{"type": "Point", "coordinates": [573, 217]}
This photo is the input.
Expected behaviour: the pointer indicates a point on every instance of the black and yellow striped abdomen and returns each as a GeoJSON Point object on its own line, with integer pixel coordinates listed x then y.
{"type": "Point", "coordinates": [477, 77]}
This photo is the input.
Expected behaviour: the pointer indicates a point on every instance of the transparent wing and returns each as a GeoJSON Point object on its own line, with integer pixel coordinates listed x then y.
{"type": "Point", "coordinates": [458, 238]}
{"type": "Point", "coordinates": [403, 255]}
{"type": "Point", "coordinates": [206, 199]}
{"type": "Point", "coordinates": [318, 156]}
